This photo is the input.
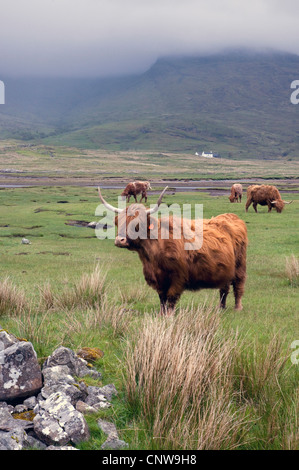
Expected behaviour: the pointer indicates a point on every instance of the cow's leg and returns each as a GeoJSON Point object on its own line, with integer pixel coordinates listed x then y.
{"type": "Point", "coordinates": [269, 207]}
{"type": "Point", "coordinates": [163, 304]}
{"type": "Point", "coordinates": [145, 197]}
{"type": "Point", "coordinates": [135, 197]}
{"type": "Point", "coordinates": [248, 204]}
{"type": "Point", "coordinates": [254, 206]}
{"type": "Point", "coordinates": [128, 197]}
{"type": "Point", "coordinates": [171, 301]}
{"type": "Point", "coordinates": [223, 294]}
{"type": "Point", "coordinates": [239, 287]}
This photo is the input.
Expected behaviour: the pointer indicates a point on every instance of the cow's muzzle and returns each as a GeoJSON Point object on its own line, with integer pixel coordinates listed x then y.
{"type": "Point", "coordinates": [121, 242]}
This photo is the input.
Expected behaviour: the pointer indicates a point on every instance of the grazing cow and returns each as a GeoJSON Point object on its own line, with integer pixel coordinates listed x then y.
{"type": "Point", "coordinates": [265, 195]}
{"type": "Point", "coordinates": [170, 269]}
{"type": "Point", "coordinates": [135, 188]}
{"type": "Point", "coordinates": [236, 193]}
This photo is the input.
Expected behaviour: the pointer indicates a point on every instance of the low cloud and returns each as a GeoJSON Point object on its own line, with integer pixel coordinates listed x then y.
{"type": "Point", "coordinates": [113, 37]}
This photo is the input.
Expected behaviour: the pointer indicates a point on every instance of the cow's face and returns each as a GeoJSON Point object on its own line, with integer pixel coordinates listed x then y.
{"type": "Point", "coordinates": [132, 227]}
{"type": "Point", "coordinates": [279, 205]}
{"type": "Point", "coordinates": [134, 223]}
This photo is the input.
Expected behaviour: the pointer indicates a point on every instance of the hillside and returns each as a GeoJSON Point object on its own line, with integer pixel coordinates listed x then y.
{"type": "Point", "coordinates": [235, 104]}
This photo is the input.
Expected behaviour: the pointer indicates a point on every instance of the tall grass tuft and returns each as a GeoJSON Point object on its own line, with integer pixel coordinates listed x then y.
{"type": "Point", "coordinates": [12, 299]}
{"type": "Point", "coordinates": [87, 292]}
{"type": "Point", "coordinates": [292, 270]}
{"type": "Point", "coordinates": [263, 376]}
{"type": "Point", "coordinates": [179, 376]}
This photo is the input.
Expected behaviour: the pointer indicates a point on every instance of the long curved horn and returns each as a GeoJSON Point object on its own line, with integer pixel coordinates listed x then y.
{"type": "Point", "coordinates": [154, 209]}
{"type": "Point", "coordinates": [273, 202]}
{"type": "Point", "coordinates": [288, 202]}
{"type": "Point", "coordinates": [108, 206]}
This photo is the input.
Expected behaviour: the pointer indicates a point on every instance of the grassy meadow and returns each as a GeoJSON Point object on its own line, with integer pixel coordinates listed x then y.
{"type": "Point", "coordinates": [204, 379]}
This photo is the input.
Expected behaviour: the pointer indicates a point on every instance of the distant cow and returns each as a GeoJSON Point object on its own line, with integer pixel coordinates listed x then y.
{"type": "Point", "coordinates": [265, 195]}
{"type": "Point", "coordinates": [170, 269]}
{"type": "Point", "coordinates": [236, 193]}
{"type": "Point", "coordinates": [135, 188]}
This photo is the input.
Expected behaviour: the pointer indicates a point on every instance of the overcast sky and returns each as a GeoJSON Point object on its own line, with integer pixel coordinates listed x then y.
{"type": "Point", "coordinates": [113, 37]}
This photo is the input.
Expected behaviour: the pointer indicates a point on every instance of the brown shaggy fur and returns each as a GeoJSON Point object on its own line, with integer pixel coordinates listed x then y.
{"type": "Point", "coordinates": [170, 269]}
{"type": "Point", "coordinates": [135, 188]}
{"type": "Point", "coordinates": [264, 195]}
{"type": "Point", "coordinates": [236, 193]}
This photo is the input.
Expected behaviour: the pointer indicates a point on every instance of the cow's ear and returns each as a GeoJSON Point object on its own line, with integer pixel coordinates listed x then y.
{"type": "Point", "coordinates": [116, 220]}
{"type": "Point", "coordinates": [152, 222]}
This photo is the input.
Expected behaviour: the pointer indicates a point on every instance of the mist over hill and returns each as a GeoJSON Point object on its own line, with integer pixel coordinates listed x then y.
{"type": "Point", "coordinates": [235, 104]}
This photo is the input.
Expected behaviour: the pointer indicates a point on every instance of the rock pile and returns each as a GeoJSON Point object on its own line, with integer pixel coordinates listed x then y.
{"type": "Point", "coordinates": [44, 407]}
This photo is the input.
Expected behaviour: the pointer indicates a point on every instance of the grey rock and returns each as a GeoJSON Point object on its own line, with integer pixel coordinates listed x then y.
{"type": "Point", "coordinates": [61, 448]}
{"type": "Point", "coordinates": [112, 442]}
{"type": "Point", "coordinates": [84, 408]}
{"type": "Point", "coordinates": [31, 442]}
{"type": "Point", "coordinates": [66, 357]}
{"type": "Point", "coordinates": [12, 440]}
{"type": "Point", "coordinates": [30, 402]}
{"type": "Point", "coordinates": [20, 408]}
{"type": "Point", "coordinates": [58, 422]}
{"type": "Point", "coordinates": [20, 373]}
{"type": "Point", "coordinates": [96, 398]}
{"type": "Point", "coordinates": [109, 391]}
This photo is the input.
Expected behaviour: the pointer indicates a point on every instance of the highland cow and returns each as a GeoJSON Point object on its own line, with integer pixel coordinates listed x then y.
{"type": "Point", "coordinates": [170, 269]}
{"type": "Point", "coordinates": [236, 193]}
{"type": "Point", "coordinates": [265, 195]}
{"type": "Point", "coordinates": [135, 188]}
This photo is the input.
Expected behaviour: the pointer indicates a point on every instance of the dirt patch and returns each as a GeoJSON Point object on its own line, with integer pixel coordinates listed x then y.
{"type": "Point", "coordinates": [55, 253]}
{"type": "Point", "coordinates": [83, 223]}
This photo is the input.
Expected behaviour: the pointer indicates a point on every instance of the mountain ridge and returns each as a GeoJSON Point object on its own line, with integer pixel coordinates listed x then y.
{"type": "Point", "coordinates": [236, 104]}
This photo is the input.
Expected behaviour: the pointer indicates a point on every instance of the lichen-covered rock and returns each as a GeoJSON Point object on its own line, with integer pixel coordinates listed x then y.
{"type": "Point", "coordinates": [20, 373]}
{"type": "Point", "coordinates": [96, 398]}
{"type": "Point", "coordinates": [12, 440]}
{"type": "Point", "coordinates": [58, 422]}
{"type": "Point", "coordinates": [59, 379]}
{"type": "Point", "coordinates": [90, 354]}
{"type": "Point", "coordinates": [77, 366]}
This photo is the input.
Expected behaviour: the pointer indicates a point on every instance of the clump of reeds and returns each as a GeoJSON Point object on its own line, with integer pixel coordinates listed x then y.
{"type": "Point", "coordinates": [87, 292]}
{"type": "Point", "coordinates": [292, 270]}
{"type": "Point", "coordinates": [179, 375]}
{"type": "Point", "coordinates": [12, 299]}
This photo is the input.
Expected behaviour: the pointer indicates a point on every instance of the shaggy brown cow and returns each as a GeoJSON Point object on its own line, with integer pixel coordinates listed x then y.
{"type": "Point", "coordinates": [170, 269]}
{"type": "Point", "coordinates": [265, 195]}
{"type": "Point", "coordinates": [236, 193]}
{"type": "Point", "coordinates": [135, 188]}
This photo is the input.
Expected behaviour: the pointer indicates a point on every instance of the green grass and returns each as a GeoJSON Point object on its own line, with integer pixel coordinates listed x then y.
{"type": "Point", "coordinates": [60, 254]}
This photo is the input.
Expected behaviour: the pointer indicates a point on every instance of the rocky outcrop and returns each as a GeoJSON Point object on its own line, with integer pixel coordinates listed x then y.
{"type": "Point", "coordinates": [20, 373]}
{"type": "Point", "coordinates": [51, 416]}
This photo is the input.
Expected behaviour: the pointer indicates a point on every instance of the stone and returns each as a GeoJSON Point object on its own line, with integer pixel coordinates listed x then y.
{"type": "Point", "coordinates": [112, 442]}
{"type": "Point", "coordinates": [58, 378]}
{"type": "Point", "coordinates": [84, 408]}
{"type": "Point", "coordinates": [96, 398]}
{"type": "Point", "coordinates": [58, 422]}
{"type": "Point", "coordinates": [30, 402]}
{"type": "Point", "coordinates": [8, 423]}
{"type": "Point", "coordinates": [20, 373]}
{"type": "Point", "coordinates": [12, 440]}
{"type": "Point", "coordinates": [77, 366]}
{"type": "Point", "coordinates": [61, 448]}
{"type": "Point", "coordinates": [90, 354]}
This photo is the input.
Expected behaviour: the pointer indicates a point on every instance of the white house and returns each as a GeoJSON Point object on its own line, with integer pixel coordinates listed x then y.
{"type": "Point", "coordinates": [207, 155]}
